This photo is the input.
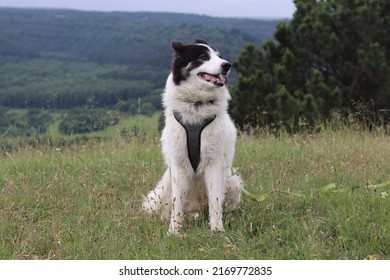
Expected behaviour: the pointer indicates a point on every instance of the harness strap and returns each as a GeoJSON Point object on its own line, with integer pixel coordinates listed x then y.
{"type": "Point", "coordinates": [193, 133]}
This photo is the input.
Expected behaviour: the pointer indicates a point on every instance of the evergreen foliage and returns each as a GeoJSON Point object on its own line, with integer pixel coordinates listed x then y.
{"type": "Point", "coordinates": [331, 56]}
{"type": "Point", "coordinates": [86, 121]}
{"type": "Point", "coordinates": [59, 59]}
{"type": "Point", "coordinates": [27, 123]}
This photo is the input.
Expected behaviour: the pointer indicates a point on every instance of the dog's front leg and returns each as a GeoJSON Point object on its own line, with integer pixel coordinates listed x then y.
{"type": "Point", "coordinates": [215, 182]}
{"type": "Point", "coordinates": [180, 184]}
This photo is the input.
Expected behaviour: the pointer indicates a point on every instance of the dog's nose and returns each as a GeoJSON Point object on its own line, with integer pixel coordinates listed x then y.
{"type": "Point", "coordinates": [226, 67]}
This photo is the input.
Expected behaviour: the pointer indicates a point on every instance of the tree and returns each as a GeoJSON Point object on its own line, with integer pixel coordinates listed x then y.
{"type": "Point", "coordinates": [32, 122]}
{"type": "Point", "coordinates": [85, 121]}
{"type": "Point", "coordinates": [332, 54]}
{"type": "Point", "coordinates": [39, 120]}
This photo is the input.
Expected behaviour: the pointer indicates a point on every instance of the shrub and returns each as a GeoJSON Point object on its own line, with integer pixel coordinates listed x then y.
{"type": "Point", "coordinates": [86, 121]}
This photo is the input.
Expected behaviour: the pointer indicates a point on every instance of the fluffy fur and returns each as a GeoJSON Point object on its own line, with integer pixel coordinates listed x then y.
{"type": "Point", "coordinates": [196, 88]}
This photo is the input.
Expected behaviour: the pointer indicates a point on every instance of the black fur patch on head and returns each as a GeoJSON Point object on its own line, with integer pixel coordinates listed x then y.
{"type": "Point", "coordinates": [201, 41]}
{"type": "Point", "coordinates": [204, 42]}
{"type": "Point", "coordinates": [187, 58]}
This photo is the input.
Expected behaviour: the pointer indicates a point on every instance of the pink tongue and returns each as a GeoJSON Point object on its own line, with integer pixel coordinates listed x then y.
{"type": "Point", "coordinates": [212, 79]}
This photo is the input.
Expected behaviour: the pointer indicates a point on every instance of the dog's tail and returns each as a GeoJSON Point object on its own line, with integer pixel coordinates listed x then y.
{"type": "Point", "coordinates": [158, 199]}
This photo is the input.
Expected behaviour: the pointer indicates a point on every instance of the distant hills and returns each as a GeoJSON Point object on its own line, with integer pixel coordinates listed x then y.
{"type": "Point", "coordinates": [69, 57]}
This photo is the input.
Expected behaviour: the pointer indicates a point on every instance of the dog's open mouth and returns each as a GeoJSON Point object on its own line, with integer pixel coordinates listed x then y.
{"type": "Point", "coordinates": [218, 80]}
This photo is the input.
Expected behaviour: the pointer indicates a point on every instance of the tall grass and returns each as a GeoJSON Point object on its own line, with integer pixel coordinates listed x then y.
{"type": "Point", "coordinates": [310, 197]}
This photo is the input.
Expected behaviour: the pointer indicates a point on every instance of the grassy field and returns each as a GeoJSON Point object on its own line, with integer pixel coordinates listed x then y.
{"type": "Point", "coordinates": [322, 196]}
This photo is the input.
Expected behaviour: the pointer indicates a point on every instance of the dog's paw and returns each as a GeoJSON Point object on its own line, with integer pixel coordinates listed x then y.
{"type": "Point", "coordinates": [173, 232]}
{"type": "Point", "coordinates": [174, 227]}
{"type": "Point", "coordinates": [195, 216]}
{"type": "Point", "coordinates": [217, 228]}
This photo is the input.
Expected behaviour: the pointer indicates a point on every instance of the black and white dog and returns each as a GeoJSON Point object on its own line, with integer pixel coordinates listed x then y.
{"type": "Point", "coordinates": [198, 140]}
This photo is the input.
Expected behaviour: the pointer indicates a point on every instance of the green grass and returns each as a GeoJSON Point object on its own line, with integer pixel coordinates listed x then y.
{"type": "Point", "coordinates": [82, 201]}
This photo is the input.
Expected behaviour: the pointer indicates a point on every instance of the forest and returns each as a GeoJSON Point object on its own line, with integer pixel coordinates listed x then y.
{"type": "Point", "coordinates": [331, 60]}
{"type": "Point", "coordinates": [64, 59]}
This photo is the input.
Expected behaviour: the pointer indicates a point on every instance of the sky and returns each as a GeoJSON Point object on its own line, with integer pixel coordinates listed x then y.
{"type": "Point", "coordinates": [220, 8]}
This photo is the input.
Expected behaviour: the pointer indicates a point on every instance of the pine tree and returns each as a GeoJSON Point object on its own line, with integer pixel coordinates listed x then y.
{"type": "Point", "coordinates": [331, 55]}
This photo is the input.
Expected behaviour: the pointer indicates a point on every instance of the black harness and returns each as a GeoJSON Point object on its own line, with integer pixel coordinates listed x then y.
{"type": "Point", "coordinates": [193, 138]}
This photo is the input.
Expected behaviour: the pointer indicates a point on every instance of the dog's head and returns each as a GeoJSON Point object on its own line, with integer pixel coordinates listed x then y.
{"type": "Point", "coordinates": [199, 62]}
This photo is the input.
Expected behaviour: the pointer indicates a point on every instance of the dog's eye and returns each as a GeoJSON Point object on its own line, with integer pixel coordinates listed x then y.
{"type": "Point", "coordinates": [204, 56]}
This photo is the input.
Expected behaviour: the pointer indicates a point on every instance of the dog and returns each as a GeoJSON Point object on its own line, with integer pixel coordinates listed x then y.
{"type": "Point", "coordinates": [198, 140]}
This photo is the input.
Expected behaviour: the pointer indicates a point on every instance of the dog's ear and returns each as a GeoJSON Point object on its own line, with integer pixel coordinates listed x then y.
{"type": "Point", "coordinates": [178, 47]}
{"type": "Point", "coordinates": [201, 41]}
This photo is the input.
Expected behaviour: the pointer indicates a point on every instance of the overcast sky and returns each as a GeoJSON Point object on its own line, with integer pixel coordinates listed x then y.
{"type": "Point", "coordinates": [222, 8]}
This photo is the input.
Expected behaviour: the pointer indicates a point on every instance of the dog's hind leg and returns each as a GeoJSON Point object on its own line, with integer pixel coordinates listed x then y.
{"type": "Point", "coordinates": [234, 186]}
{"type": "Point", "coordinates": [158, 200]}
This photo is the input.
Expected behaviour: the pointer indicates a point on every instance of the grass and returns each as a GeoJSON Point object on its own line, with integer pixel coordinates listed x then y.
{"type": "Point", "coordinates": [311, 197]}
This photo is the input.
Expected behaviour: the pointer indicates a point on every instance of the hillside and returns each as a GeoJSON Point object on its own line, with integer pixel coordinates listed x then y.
{"type": "Point", "coordinates": [63, 58]}
{"type": "Point", "coordinates": [321, 196]}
